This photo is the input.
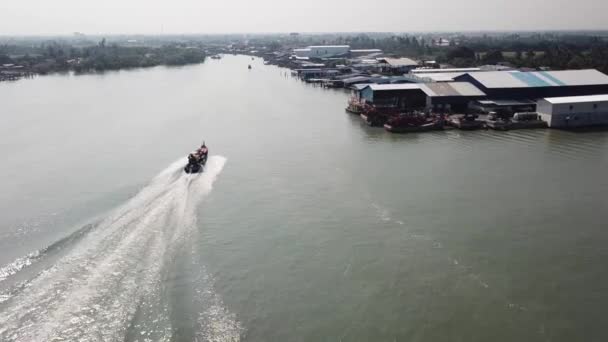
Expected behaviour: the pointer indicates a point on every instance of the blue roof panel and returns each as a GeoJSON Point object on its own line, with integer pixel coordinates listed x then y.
{"type": "Point", "coordinates": [552, 78]}
{"type": "Point", "coordinates": [530, 79]}
{"type": "Point", "coordinates": [514, 79]}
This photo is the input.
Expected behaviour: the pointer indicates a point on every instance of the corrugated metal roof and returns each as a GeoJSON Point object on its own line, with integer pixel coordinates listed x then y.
{"type": "Point", "coordinates": [360, 86]}
{"type": "Point", "coordinates": [344, 77]}
{"type": "Point", "coordinates": [400, 61]}
{"type": "Point", "coordinates": [400, 86]}
{"type": "Point", "coordinates": [328, 46]}
{"type": "Point", "coordinates": [506, 102]}
{"type": "Point", "coordinates": [579, 77]}
{"type": "Point", "coordinates": [577, 99]}
{"type": "Point", "coordinates": [356, 79]}
{"type": "Point", "coordinates": [467, 89]}
{"type": "Point", "coordinates": [516, 79]}
{"type": "Point", "coordinates": [441, 77]}
{"type": "Point", "coordinates": [433, 89]}
{"type": "Point", "coordinates": [365, 50]}
{"type": "Point", "coordinates": [436, 71]}
{"type": "Point", "coordinates": [451, 89]}
{"type": "Point", "coordinates": [498, 79]}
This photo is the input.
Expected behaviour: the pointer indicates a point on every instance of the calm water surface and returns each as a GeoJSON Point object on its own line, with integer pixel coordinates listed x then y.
{"type": "Point", "coordinates": [307, 225]}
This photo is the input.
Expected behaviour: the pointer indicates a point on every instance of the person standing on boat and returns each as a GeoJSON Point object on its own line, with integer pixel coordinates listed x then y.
{"type": "Point", "coordinates": [202, 152]}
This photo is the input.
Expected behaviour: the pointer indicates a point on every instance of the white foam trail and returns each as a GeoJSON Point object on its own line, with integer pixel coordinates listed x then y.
{"type": "Point", "coordinates": [216, 324]}
{"type": "Point", "coordinates": [383, 213]}
{"type": "Point", "coordinates": [93, 291]}
{"type": "Point", "coordinates": [17, 265]}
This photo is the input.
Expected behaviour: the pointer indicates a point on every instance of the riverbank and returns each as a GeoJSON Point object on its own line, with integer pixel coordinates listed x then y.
{"type": "Point", "coordinates": [53, 58]}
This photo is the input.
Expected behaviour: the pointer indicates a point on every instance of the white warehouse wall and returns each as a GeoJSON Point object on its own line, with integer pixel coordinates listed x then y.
{"type": "Point", "coordinates": [573, 114]}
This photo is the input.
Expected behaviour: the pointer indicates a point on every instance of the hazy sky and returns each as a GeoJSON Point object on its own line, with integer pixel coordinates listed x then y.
{"type": "Point", "coordinates": [218, 16]}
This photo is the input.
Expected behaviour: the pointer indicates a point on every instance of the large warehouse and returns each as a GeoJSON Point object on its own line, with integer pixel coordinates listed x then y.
{"type": "Point", "coordinates": [450, 96]}
{"type": "Point", "coordinates": [445, 96]}
{"type": "Point", "coordinates": [403, 96]}
{"type": "Point", "coordinates": [574, 111]}
{"type": "Point", "coordinates": [516, 85]}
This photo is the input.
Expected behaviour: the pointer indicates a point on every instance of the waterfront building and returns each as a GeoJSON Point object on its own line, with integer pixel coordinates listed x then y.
{"type": "Point", "coordinates": [439, 97]}
{"type": "Point", "coordinates": [433, 77]}
{"type": "Point", "coordinates": [462, 71]}
{"type": "Point", "coordinates": [574, 111]}
{"type": "Point", "coordinates": [516, 85]}
{"type": "Point", "coordinates": [397, 65]}
{"type": "Point", "coordinates": [450, 96]}
{"type": "Point", "coordinates": [322, 51]}
{"type": "Point", "coordinates": [307, 73]}
{"type": "Point", "coordinates": [403, 96]}
{"type": "Point", "coordinates": [334, 51]}
{"type": "Point", "coordinates": [356, 53]}
{"type": "Point", "coordinates": [506, 106]}
{"type": "Point", "coordinates": [424, 74]}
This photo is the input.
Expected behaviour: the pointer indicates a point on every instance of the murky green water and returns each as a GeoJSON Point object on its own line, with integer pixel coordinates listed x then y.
{"type": "Point", "coordinates": [308, 225]}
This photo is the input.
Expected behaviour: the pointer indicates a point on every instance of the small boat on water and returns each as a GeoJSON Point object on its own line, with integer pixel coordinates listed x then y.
{"type": "Point", "coordinates": [467, 122]}
{"type": "Point", "coordinates": [375, 119]}
{"type": "Point", "coordinates": [377, 116]}
{"type": "Point", "coordinates": [410, 123]}
{"type": "Point", "coordinates": [352, 110]}
{"type": "Point", "coordinates": [249, 67]}
{"type": "Point", "coordinates": [356, 106]}
{"type": "Point", "coordinates": [197, 160]}
{"type": "Point", "coordinates": [412, 129]}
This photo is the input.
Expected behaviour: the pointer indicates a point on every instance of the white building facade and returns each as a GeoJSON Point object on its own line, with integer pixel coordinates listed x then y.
{"type": "Point", "coordinates": [574, 111]}
{"type": "Point", "coordinates": [322, 51]}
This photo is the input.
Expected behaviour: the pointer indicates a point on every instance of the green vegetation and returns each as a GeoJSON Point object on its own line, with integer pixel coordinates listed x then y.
{"type": "Point", "coordinates": [59, 56]}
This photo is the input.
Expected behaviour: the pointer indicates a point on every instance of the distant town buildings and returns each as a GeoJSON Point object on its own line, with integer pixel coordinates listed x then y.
{"type": "Point", "coordinates": [11, 72]}
{"type": "Point", "coordinates": [365, 52]}
{"type": "Point", "coordinates": [441, 42]}
{"type": "Point", "coordinates": [322, 51]}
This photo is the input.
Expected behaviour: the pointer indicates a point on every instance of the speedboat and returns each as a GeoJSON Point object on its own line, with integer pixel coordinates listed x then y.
{"type": "Point", "coordinates": [196, 167]}
{"type": "Point", "coordinates": [197, 160]}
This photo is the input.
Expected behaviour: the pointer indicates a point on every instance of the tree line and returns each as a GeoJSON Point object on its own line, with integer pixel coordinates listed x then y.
{"type": "Point", "coordinates": [55, 56]}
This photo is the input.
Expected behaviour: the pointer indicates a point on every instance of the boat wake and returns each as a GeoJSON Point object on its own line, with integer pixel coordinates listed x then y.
{"type": "Point", "coordinates": [123, 278]}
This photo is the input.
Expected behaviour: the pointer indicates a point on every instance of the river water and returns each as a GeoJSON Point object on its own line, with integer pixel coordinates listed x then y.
{"type": "Point", "coordinates": [306, 226]}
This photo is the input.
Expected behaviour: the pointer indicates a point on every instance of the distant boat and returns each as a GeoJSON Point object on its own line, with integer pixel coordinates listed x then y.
{"type": "Point", "coordinates": [249, 67]}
